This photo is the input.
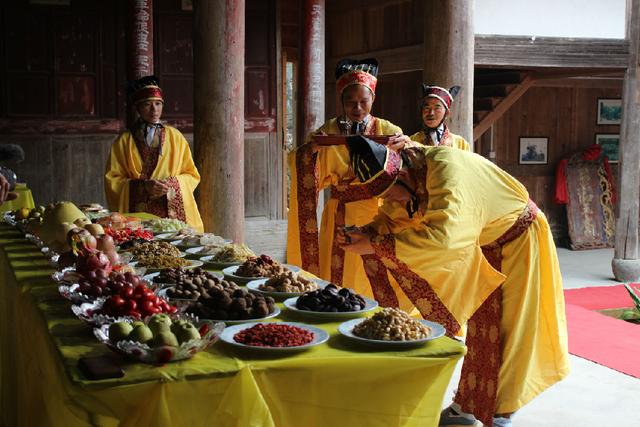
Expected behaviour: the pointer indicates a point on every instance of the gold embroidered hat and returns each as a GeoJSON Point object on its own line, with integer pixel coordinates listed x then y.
{"type": "Point", "coordinates": [444, 95]}
{"type": "Point", "coordinates": [145, 89]}
{"type": "Point", "coordinates": [356, 72]}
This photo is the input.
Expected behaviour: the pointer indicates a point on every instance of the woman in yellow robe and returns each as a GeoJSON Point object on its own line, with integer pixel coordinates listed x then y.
{"type": "Point", "coordinates": [436, 106]}
{"type": "Point", "coordinates": [478, 253]}
{"type": "Point", "coordinates": [316, 168]}
{"type": "Point", "coordinates": [150, 168]}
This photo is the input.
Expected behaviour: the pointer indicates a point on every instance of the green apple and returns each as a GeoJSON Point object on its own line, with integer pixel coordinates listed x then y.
{"type": "Point", "coordinates": [119, 331]}
{"type": "Point", "coordinates": [165, 338]}
{"type": "Point", "coordinates": [177, 324]}
{"type": "Point", "coordinates": [160, 323]}
{"type": "Point", "coordinates": [141, 334]}
{"type": "Point", "coordinates": [187, 332]}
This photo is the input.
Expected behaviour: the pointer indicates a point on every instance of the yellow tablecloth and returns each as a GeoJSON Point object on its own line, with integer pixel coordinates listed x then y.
{"type": "Point", "coordinates": [332, 384]}
{"type": "Point", "coordinates": [24, 200]}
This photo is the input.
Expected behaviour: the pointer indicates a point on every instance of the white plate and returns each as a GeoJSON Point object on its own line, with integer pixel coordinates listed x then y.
{"type": "Point", "coordinates": [276, 312]}
{"type": "Point", "coordinates": [346, 329]}
{"type": "Point", "coordinates": [254, 286]}
{"type": "Point", "coordinates": [230, 273]}
{"type": "Point", "coordinates": [320, 336]}
{"type": "Point", "coordinates": [152, 276]}
{"type": "Point", "coordinates": [194, 263]}
{"type": "Point", "coordinates": [217, 265]}
{"type": "Point", "coordinates": [193, 251]}
{"type": "Point", "coordinates": [326, 315]}
{"type": "Point", "coordinates": [167, 237]}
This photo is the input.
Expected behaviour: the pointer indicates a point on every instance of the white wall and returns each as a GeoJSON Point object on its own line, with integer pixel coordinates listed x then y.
{"type": "Point", "coordinates": [552, 18]}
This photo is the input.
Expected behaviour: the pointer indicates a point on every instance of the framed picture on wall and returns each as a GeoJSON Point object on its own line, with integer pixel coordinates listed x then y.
{"type": "Point", "coordinates": [609, 111]}
{"type": "Point", "coordinates": [610, 144]}
{"type": "Point", "coordinates": [533, 150]}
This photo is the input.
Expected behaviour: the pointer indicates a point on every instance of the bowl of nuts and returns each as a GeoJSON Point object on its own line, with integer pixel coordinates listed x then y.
{"type": "Point", "coordinates": [284, 285]}
{"type": "Point", "coordinates": [253, 268]}
{"type": "Point", "coordinates": [391, 328]}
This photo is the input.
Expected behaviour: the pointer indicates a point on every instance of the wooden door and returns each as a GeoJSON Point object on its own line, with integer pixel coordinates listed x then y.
{"type": "Point", "coordinates": [263, 152]}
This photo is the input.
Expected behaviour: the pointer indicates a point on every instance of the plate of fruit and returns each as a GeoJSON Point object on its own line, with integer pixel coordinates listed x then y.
{"type": "Point", "coordinates": [331, 302]}
{"type": "Point", "coordinates": [160, 338]}
{"type": "Point", "coordinates": [132, 303]}
{"type": "Point", "coordinates": [99, 284]}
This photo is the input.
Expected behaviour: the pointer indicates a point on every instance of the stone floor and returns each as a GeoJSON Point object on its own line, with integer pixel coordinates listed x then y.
{"type": "Point", "coordinates": [592, 395]}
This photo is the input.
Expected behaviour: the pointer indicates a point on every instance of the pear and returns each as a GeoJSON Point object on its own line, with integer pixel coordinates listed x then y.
{"type": "Point", "coordinates": [160, 323]}
{"type": "Point", "coordinates": [165, 338]}
{"type": "Point", "coordinates": [137, 323]}
{"type": "Point", "coordinates": [141, 334]}
{"type": "Point", "coordinates": [119, 331]}
{"type": "Point", "coordinates": [187, 332]}
{"type": "Point", "coordinates": [176, 325]}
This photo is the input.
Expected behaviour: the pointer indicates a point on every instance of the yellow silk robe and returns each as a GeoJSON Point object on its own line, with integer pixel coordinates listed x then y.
{"type": "Point", "coordinates": [125, 164]}
{"type": "Point", "coordinates": [456, 140]}
{"type": "Point", "coordinates": [471, 203]}
{"type": "Point", "coordinates": [333, 165]}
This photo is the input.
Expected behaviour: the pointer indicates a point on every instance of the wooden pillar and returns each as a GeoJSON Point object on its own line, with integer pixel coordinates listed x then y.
{"type": "Point", "coordinates": [311, 70]}
{"type": "Point", "coordinates": [448, 57]}
{"type": "Point", "coordinates": [139, 44]}
{"type": "Point", "coordinates": [218, 53]}
{"type": "Point", "coordinates": [625, 264]}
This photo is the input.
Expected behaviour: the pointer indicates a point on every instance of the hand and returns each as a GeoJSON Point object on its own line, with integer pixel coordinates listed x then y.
{"type": "Point", "coordinates": [155, 188]}
{"type": "Point", "coordinates": [5, 194]}
{"type": "Point", "coordinates": [356, 242]}
{"type": "Point", "coordinates": [398, 141]}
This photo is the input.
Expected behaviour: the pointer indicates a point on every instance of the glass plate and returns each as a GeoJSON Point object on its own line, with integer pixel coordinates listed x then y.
{"type": "Point", "coordinates": [346, 329]}
{"type": "Point", "coordinates": [320, 336]}
{"type": "Point", "coordinates": [331, 315]}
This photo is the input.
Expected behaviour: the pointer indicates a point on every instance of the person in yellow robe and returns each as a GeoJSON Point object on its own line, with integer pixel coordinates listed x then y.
{"type": "Point", "coordinates": [477, 253]}
{"type": "Point", "coordinates": [436, 106]}
{"type": "Point", "coordinates": [150, 167]}
{"type": "Point", "coordinates": [315, 168]}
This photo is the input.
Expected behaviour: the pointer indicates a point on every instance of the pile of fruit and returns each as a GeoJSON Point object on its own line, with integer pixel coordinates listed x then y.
{"type": "Point", "coordinates": [159, 331]}
{"type": "Point", "coordinates": [99, 283]}
{"type": "Point", "coordinates": [274, 335]}
{"type": "Point", "coordinates": [137, 302]}
{"type": "Point", "coordinates": [288, 282]}
{"type": "Point", "coordinates": [151, 249]}
{"type": "Point", "coordinates": [331, 299]}
{"type": "Point", "coordinates": [391, 324]}
{"type": "Point", "coordinates": [190, 284]}
{"type": "Point", "coordinates": [127, 234]}
{"type": "Point", "coordinates": [228, 253]}
{"type": "Point", "coordinates": [165, 225]}
{"type": "Point", "coordinates": [262, 266]}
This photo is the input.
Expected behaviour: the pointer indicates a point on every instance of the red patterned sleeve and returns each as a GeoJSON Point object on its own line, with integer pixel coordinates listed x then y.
{"type": "Point", "coordinates": [415, 287]}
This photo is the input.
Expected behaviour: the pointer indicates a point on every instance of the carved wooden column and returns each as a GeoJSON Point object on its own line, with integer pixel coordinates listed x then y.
{"type": "Point", "coordinates": [625, 264]}
{"type": "Point", "coordinates": [139, 44]}
{"type": "Point", "coordinates": [311, 74]}
{"type": "Point", "coordinates": [218, 52]}
{"type": "Point", "coordinates": [448, 57]}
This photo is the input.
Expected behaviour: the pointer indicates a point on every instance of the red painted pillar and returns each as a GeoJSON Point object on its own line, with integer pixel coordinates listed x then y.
{"type": "Point", "coordinates": [139, 42]}
{"type": "Point", "coordinates": [311, 69]}
{"type": "Point", "coordinates": [218, 126]}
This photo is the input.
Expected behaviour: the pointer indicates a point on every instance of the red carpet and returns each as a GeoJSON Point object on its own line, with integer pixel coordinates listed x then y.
{"type": "Point", "coordinates": [602, 339]}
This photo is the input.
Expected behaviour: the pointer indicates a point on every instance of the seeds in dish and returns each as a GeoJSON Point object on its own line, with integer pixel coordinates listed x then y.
{"type": "Point", "coordinates": [229, 253]}
{"type": "Point", "coordinates": [155, 248]}
{"type": "Point", "coordinates": [161, 261]}
{"type": "Point", "coordinates": [274, 335]}
{"type": "Point", "coordinates": [288, 282]}
{"type": "Point", "coordinates": [391, 324]}
{"type": "Point", "coordinates": [262, 266]}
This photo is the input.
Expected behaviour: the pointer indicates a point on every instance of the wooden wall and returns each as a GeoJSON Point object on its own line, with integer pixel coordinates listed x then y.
{"type": "Point", "coordinates": [567, 116]}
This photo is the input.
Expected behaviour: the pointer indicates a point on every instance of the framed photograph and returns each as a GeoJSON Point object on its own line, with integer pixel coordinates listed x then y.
{"type": "Point", "coordinates": [610, 144]}
{"type": "Point", "coordinates": [609, 111]}
{"type": "Point", "coordinates": [533, 150]}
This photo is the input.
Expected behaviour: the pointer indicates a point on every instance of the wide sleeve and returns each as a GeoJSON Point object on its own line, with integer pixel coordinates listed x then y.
{"type": "Point", "coordinates": [442, 256]}
{"type": "Point", "coordinates": [188, 174]}
{"type": "Point", "coordinates": [118, 175]}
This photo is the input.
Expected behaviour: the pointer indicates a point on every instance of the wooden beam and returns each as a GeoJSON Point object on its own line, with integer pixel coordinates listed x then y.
{"type": "Point", "coordinates": [513, 52]}
{"type": "Point", "coordinates": [576, 82]}
{"type": "Point", "coordinates": [502, 107]}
